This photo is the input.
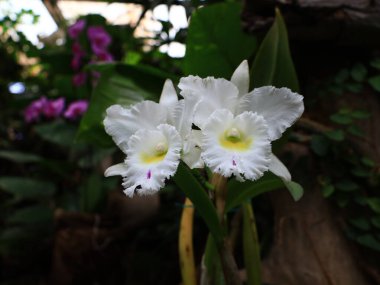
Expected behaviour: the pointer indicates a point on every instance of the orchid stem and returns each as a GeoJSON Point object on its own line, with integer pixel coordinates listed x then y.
{"type": "Point", "coordinates": [230, 269]}
{"type": "Point", "coordinates": [185, 244]}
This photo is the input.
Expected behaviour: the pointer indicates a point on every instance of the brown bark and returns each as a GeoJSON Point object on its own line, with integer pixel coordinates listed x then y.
{"type": "Point", "coordinates": [309, 246]}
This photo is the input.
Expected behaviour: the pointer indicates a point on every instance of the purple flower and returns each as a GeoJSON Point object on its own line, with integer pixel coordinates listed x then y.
{"type": "Point", "coordinates": [104, 56]}
{"type": "Point", "coordinates": [54, 108]}
{"type": "Point", "coordinates": [76, 62]}
{"type": "Point", "coordinates": [33, 111]}
{"type": "Point", "coordinates": [99, 38]}
{"type": "Point", "coordinates": [79, 79]}
{"type": "Point", "coordinates": [76, 109]}
{"type": "Point", "coordinates": [75, 29]}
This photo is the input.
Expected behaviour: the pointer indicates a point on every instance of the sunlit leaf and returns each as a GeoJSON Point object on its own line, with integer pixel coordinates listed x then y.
{"type": "Point", "coordinates": [273, 64]}
{"type": "Point", "coordinates": [216, 43]}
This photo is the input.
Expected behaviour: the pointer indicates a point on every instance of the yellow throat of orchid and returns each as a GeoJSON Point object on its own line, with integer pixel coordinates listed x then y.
{"type": "Point", "coordinates": [156, 155]}
{"type": "Point", "coordinates": [233, 139]}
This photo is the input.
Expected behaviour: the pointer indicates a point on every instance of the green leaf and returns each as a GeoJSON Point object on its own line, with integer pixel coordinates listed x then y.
{"type": "Point", "coordinates": [20, 157]}
{"type": "Point", "coordinates": [375, 82]}
{"type": "Point", "coordinates": [367, 162]}
{"type": "Point", "coordinates": [239, 192]}
{"type": "Point", "coordinates": [335, 135]}
{"type": "Point", "coordinates": [25, 188]}
{"type": "Point", "coordinates": [375, 63]}
{"type": "Point", "coordinates": [212, 271]}
{"type": "Point", "coordinates": [251, 247]}
{"type": "Point", "coordinates": [369, 240]}
{"type": "Point", "coordinates": [119, 84]}
{"type": "Point", "coordinates": [346, 185]}
{"type": "Point", "coordinates": [295, 189]}
{"type": "Point", "coordinates": [376, 222]}
{"type": "Point", "coordinates": [360, 114]}
{"type": "Point", "coordinates": [216, 43]}
{"type": "Point", "coordinates": [202, 203]}
{"type": "Point", "coordinates": [359, 72]}
{"type": "Point", "coordinates": [57, 132]}
{"type": "Point", "coordinates": [356, 131]}
{"type": "Point", "coordinates": [328, 190]}
{"type": "Point", "coordinates": [273, 63]}
{"type": "Point", "coordinates": [342, 76]}
{"type": "Point", "coordinates": [360, 223]}
{"type": "Point", "coordinates": [320, 145]}
{"type": "Point", "coordinates": [342, 119]}
{"type": "Point", "coordinates": [374, 204]}
{"type": "Point", "coordinates": [31, 215]}
{"type": "Point", "coordinates": [92, 194]}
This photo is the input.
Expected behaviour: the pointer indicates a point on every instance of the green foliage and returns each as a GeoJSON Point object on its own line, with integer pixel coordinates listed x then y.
{"type": "Point", "coordinates": [186, 181]}
{"type": "Point", "coordinates": [26, 188]}
{"type": "Point", "coordinates": [215, 43]}
{"type": "Point", "coordinates": [273, 63]}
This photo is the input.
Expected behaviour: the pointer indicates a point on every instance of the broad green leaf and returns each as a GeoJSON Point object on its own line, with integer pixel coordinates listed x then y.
{"type": "Point", "coordinates": [320, 144]}
{"type": "Point", "coordinates": [216, 44]}
{"type": "Point", "coordinates": [375, 82]}
{"type": "Point", "coordinates": [295, 189]}
{"type": "Point", "coordinates": [328, 190]}
{"type": "Point", "coordinates": [24, 188]}
{"type": "Point", "coordinates": [273, 64]}
{"type": "Point", "coordinates": [19, 157]}
{"type": "Point", "coordinates": [374, 204]}
{"type": "Point", "coordinates": [202, 203]}
{"type": "Point", "coordinates": [361, 223]}
{"type": "Point", "coordinates": [31, 215]}
{"type": "Point", "coordinates": [57, 132]}
{"type": "Point", "coordinates": [370, 241]}
{"type": "Point", "coordinates": [212, 273]}
{"type": "Point", "coordinates": [346, 185]}
{"type": "Point", "coordinates": [239, 192]}
{"type": "Point", "coordinates": [335, 135]}
{"type": "Point", "coordinates": [119, 84]}
{"type": "Point", "coordinates": [92, 194]}
{"type": "Point", "coordinates": [359, 72]}
{"type": "Point", "coordinates": [343, 119]}
{"type": "Point", "coordinates": [251, 246]}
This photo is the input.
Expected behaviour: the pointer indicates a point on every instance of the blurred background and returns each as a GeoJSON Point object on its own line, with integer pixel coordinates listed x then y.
{"type": "Point", "coordinates": [63, 222]}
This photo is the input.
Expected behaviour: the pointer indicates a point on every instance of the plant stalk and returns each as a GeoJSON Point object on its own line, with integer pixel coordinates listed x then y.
{"type": "Point", "coordinates": [230, 269]}
{"type": "Point", "coordinates": [185, 245]}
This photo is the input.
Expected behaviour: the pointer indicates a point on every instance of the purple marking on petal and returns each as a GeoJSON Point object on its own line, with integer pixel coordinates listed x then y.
{"type": "Point", "coordinates": [233, 162]}
{"type": "Point", "coordinates": [149, 174]}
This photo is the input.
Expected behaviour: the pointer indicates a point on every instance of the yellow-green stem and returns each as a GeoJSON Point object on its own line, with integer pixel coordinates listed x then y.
{"type": "Point", "coordinates": [185, 244]}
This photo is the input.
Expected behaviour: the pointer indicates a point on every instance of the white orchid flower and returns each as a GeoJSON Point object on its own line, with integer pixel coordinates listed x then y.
{"type": "Point", "coordinates": [153, 136]}
{"type": "Point", "coordinates": [231, 142]}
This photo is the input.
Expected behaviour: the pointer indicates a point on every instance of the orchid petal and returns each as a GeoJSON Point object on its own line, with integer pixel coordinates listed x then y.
{"type": "Point", "coordinates": [169, 95]}
{"type": "Point", "coordinates": [212, 94]}
{"type": "Point", "coordinates": [280, 107]}
{"type": "Point", "coordinates": [117, 169]}
{"type": "Point", "coordinates": [241, 78]}
{"type": "Point", "coordinates": [121, 123]}
{"type": "Point", "coordinates": [279, 169]}
{"type": "Point", "coordinates": [147, 175]}
{"type": "Point", "coordinates": [248, 158]}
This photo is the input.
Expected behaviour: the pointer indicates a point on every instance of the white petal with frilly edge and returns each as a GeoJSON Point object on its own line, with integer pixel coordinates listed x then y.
{"type": "Point", "coordinates": [236, 145]}
{"type": "Point", "coordinates": [212, 94]}
{"type": "Point", "coordinates": [280, 107]}
{"type": "Point", "coordinates": [152, 157]}
{"type": "Point", "coordinates": [241, 78]}
{"type": "Point", "coordinates": [121, 123]}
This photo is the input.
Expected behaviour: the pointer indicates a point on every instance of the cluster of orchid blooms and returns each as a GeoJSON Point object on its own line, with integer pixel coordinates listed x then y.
{"type": "Point", "coordinates": [54, 108]}
{"type": "Point", "coordinates": [99, 42]}
{"type": "Point", "coordinates": [233, 131]}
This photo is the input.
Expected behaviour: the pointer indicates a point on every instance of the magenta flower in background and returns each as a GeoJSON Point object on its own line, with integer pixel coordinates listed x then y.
{"type": "Point", "coordinates": [76, 109]}
{"type": "Point", "coordinates": [99, 38]}
{"type": "Point", "coordinates": [76, 62]}
{"type": "Point", "coordinates": [54, 108]}
{"type": "Point", "coordinates": [75, 29]}
{"type": "Point", "coordinates": [79, 79]}
{"type": "Point", "coordinates": [104, 56]}
{"type": "Point", "coordinates": [33, 111]}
